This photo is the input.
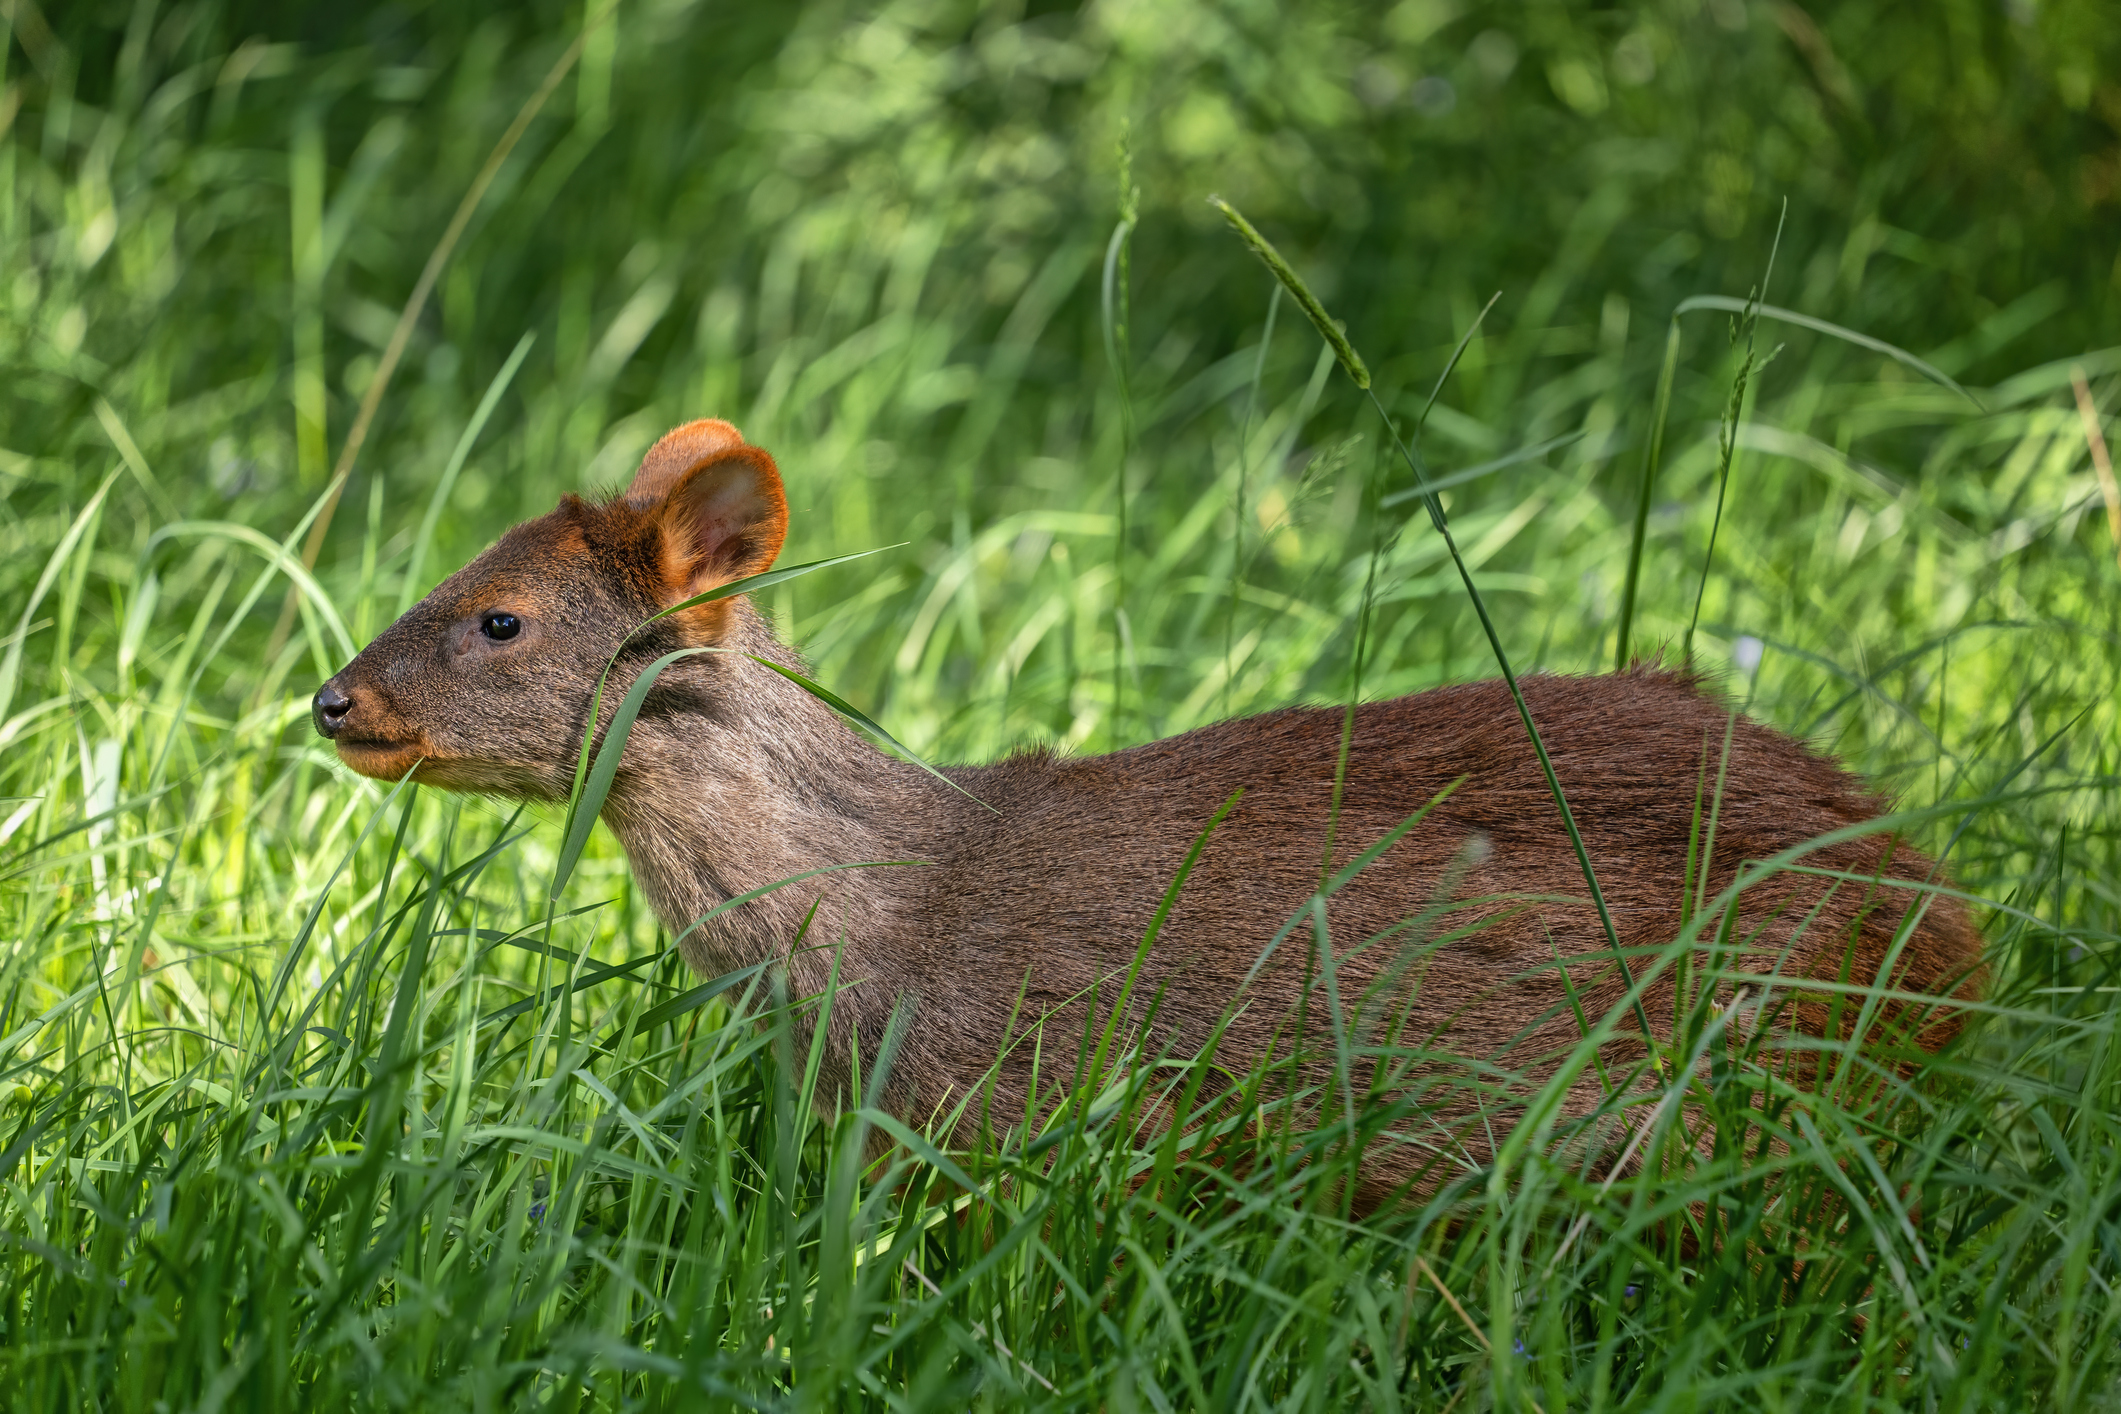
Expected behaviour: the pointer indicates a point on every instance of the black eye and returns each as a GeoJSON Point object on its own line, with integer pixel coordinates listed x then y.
{"type": "Point", "coordinates": [500, 626]}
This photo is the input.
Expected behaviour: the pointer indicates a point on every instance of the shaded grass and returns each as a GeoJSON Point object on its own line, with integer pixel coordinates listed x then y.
{"type": "Point", "coordinates": [306, 1102]}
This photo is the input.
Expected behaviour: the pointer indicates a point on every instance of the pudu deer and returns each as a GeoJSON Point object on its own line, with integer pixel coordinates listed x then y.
{"type": "Point", "coordinates": [1031, 899]}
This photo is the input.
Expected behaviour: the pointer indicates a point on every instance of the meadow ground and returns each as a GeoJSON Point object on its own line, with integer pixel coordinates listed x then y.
{"type": "Point", "coordinates": [313, 1095]}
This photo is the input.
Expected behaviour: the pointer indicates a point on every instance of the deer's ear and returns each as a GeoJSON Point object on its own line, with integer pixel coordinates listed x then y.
{"type": "Point", "coordinates": [677, 453]}
{"type": "Point", "coordinates": [723, 518]}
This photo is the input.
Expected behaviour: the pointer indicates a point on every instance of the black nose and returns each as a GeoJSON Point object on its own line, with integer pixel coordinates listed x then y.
{"type": "Point", "coordinates": [328, 710]}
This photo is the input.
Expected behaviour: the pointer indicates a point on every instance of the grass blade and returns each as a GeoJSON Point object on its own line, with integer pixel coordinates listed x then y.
{"type": "Point", "coordinates": [589, 799]}
{"type": "Point", "coordinates": [1821, 326]}
{"type": "Point", "coordinates": [1652, 459]}
{"type": "Point", "coordinates": [1350, 361]}
{"type": "Point", "coordinates": [861, 719]}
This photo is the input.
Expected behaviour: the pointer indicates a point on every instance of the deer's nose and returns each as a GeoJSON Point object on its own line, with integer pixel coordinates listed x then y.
{"type": "Point", "coordinates": [328, 710]}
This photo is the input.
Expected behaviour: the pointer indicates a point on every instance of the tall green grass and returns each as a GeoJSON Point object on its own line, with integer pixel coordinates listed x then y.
{"type": "Point", "coordinates": [301, 1100]}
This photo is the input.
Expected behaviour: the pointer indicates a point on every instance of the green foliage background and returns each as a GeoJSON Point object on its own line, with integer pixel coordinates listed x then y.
{"type": "Point", "coordinates": [875, 237]}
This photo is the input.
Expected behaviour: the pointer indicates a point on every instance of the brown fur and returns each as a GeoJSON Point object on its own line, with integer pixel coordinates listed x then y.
{"type": "Point", "coordinates": [734, 778]}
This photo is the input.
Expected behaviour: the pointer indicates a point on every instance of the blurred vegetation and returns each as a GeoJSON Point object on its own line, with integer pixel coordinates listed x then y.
{"type": "Point", "coordinates": [877, 239]}
{"type": "Point", "coordinates": [721, 198]}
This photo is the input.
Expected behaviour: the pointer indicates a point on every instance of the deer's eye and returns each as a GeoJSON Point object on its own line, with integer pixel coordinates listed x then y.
{"type": "Point", "coordinates": [498, 626]}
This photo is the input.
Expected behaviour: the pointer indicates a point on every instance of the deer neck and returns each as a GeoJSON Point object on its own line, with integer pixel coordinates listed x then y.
{"type": "Point", "coordinates": [734, 781]}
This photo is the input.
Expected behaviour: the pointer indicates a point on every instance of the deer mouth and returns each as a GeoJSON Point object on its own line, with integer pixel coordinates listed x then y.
{"type": "Point", "coordinates": [382, 760]}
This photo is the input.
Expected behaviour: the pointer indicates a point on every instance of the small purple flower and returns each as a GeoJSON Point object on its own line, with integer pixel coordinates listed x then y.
{"type": "Point", "coordinates": [1630, 1291]}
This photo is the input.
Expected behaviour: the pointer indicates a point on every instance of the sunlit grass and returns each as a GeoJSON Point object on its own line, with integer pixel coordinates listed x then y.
{"type": "Point", "coordinates": [303, 1101]}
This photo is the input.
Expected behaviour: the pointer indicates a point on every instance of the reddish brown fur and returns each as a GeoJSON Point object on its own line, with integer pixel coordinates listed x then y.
{"type": "Point", "coordinates": [734, 779]}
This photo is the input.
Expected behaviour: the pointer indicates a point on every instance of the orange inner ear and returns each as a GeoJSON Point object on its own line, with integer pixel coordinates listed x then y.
{"type": "Point", "coordinates": [724, 519]}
